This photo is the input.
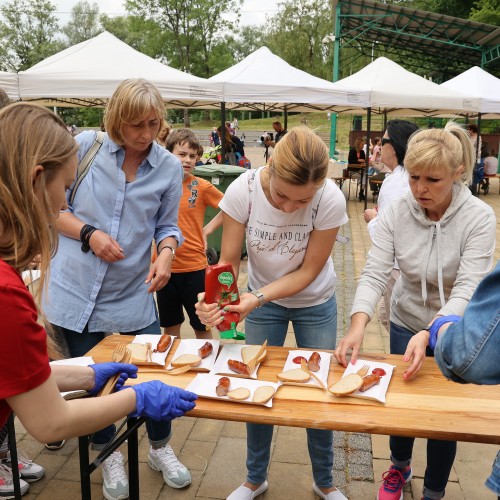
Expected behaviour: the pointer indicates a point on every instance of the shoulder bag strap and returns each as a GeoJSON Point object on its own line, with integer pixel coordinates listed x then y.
{"type": "Point", "coordinates": [85, 164]}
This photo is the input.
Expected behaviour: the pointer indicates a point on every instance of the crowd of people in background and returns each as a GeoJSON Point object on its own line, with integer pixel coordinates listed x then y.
{"type": "Point", "coordinates": [142, 235]}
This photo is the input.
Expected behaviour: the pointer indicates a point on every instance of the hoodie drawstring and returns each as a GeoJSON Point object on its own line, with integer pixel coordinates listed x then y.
{"type": "Point", "coordinates": [435, 229]}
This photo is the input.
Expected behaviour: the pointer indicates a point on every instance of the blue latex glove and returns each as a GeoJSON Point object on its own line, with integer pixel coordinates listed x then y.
{"type": "Point", "coordinates": [160, 401]}
{"type": "Point", "coordinates": [104, 371]}
{"type": "Point", "coordinates": [436, 326]}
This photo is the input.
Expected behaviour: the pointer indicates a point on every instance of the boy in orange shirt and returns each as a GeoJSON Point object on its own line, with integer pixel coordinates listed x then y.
{"type": "Point", "coordinates": [188, 269]}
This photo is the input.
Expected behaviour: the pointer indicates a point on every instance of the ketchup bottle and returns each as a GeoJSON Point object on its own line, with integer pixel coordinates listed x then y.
{"type": "Point", "coordinates": [221, 287]}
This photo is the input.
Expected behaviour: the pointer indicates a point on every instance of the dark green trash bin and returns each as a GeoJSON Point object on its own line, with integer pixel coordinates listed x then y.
{"type": "Point", "coordinates": [220, 176]}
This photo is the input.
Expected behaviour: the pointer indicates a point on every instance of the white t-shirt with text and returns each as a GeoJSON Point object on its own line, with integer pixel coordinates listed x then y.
{"type": "Point", "coordinates": [277, 241]}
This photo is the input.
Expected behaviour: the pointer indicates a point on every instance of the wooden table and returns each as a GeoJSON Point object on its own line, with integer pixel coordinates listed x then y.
{"type": "Point", "coordinates": [429, 406]}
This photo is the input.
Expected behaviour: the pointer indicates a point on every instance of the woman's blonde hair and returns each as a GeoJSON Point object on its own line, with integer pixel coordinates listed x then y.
{"type": "Point", "coordinates": [300, 157]}
{"type": "Point", "coordinates": [132, 101]}
{"type": "Point", "coordinates": [431, 149]}
{"type": "Point", "coordinates": [30, 135]}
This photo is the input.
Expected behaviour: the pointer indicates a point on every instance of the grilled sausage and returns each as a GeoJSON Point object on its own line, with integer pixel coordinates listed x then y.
{"type": "Point", "coordinates": [369, 381]}
{"type": "Point", "coordinates": [314, 361]}
{"type": "Point", "coordinates": [223, 387]}
{"type": "Point", "coordinates": [205, 350]}
{"type": "Point", "coordinates": [163, 343]}
{"type": "Point", "coordinates": [238, 367]}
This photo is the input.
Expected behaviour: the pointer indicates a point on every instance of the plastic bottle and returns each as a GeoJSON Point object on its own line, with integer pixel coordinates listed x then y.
{"type": "Point", "coordinates": [221, 287]}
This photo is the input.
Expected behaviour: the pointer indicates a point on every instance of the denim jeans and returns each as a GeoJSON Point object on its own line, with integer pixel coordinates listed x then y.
{"type": "Point", "coordinates": [440, 454]}
{"type": "Point", "coordinates": [315, 328]}
{"type": "Point", "coordinates": [78, 345]}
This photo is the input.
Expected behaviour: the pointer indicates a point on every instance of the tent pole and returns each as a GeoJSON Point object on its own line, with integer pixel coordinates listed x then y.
{"type": "Point", "coordinates": [477, 150]}
{"type": "Point", "coordinates": [367, 159]}
{"type": "Point", "coordinates": [223, 132]}
{"type": "Point", "coordinates": [285, 118]}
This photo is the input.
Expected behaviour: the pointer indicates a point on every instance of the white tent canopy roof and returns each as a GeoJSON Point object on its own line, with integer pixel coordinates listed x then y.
{"type": "Point", "coordinates": [266, 79]}
{"type": "Point", "coordinates": [8, 83]}
{"type": "Point", "coordinates": [478, 83]}
{"type": "Point", "coordinates": [90, 71]}
{"type": "Point", "coordinates": [393, 88]}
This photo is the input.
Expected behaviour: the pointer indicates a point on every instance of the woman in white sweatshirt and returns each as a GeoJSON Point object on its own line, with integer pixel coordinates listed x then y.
{"type": "Point", "coordinates": [443, 239]}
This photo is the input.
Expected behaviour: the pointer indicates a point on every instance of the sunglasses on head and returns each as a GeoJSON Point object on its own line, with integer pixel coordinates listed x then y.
{"type": "Point", "coordinates": [386, 140]}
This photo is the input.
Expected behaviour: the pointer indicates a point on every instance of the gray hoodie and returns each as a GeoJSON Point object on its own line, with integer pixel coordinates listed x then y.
{"type": "Point", "coordinates": [441, 262]}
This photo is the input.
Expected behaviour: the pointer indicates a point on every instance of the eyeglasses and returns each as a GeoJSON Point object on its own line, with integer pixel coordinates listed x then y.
{"type": "Point", "coordinates": [386, 140]}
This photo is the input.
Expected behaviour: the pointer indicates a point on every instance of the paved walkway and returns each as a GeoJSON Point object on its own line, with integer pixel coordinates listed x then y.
{"type": "Point", "coordinates": [214, 450]}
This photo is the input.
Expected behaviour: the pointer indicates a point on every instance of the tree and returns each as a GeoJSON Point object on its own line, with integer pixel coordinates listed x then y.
{"type": "Point", "coordinates": [84, 23]}
{"type": "Point", "coordinates": [192, 29]}
{"type": "Point", "coordinates": [296, 33]}
{"type": "Point", "coordinates": [486, 11]}
{"type": "Point", "coordinates": [28, 32]}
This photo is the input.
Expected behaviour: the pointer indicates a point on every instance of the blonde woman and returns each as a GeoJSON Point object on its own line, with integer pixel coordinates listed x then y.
{"type": "Point", "coordinates": [163, 133]}
{"type": "Point", "coordinates": [37, 164]}
{"type": "Point", "coordinates": [101, 278]}
{"type": "Point", "coordinates": [443, 239]}
{"type": "Point", "coordinates": [290, 214]}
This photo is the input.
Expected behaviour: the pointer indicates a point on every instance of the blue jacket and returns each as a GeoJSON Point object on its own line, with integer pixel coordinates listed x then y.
{"type": "Point", "coordinates": [468, 351]}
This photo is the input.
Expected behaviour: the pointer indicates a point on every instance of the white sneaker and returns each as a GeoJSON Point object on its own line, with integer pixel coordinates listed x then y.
{"type": "Point", "coordinates": [245, 493]}
{"type": "Point", "coordinates": [115, 481]}
{"type": "Point", "coordinates": [28, 470]}
{"type": "Point", "coordinates": [174, 473]}
{"type": "Point", "coordinates": [7, 483]}
{"type": "Point", "coordinates": [333, 495]}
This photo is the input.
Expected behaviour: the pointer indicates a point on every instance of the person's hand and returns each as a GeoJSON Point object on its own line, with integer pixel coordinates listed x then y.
{"type": "Point", "coordinates": [248, 302]}
{"type": "Point", "coordinates": [160, 271]}
{"type": "Point", "coordinates": [104, 371]}
{"type": "Point", "coordinates": [160, 401]}
{"type": "Point", "coordinates": [369, 214]}
{"type": "Point", "coordinates": [209, 314]}
{"type": "Point", "coordinates": [415, 352]}
{"type": "Point", "coordinates": [352, 340]}
{"type": "Point", "coordinates": [105, 247]}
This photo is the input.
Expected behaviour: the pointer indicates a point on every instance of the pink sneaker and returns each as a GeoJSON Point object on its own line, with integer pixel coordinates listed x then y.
{"type": "Point", "coordinates": [394, 482]}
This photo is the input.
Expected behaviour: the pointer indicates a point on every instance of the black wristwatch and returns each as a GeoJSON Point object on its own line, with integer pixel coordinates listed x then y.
{"type": "Point", "coordinates": [171, 248]}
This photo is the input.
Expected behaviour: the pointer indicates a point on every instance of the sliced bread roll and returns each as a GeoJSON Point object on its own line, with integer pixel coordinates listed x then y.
{"type": "Point", "coordinates": [295, 375]}
{"type": "Point", "coordinates": [346, 385]}
{"type": "Point", "coordinates": [239, 394]}
{"type": "Point", "coordinates": [185, 360]}
{"type": "Point", "coordinates": [138, 352]}
{"type": "Point", "coordinates": [250, 351]}
{"type": "Point", "coordinates": [263, 394]}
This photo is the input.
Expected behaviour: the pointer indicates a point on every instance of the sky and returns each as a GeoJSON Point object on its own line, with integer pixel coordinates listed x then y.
{"type": "Point", "coordinates": [252, 12]}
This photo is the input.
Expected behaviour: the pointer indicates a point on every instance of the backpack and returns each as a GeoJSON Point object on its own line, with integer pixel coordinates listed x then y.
{"type": "Point", "coordinates": [86, 163]}
{"type": "Point", "coordinates": [478, 173]}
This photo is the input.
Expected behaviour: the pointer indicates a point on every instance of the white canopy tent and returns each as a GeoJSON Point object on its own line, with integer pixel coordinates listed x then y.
{"type": "Point", "coordinates": [481, 84]}
{"type": "Point", "coordinates": [8, 83]}
{"type": "Point", "coordinates": [86, 74]}
{"type": "Point", "coordinates": [393, 89]}
{"type": "Point", "coordinates": [264, 81]}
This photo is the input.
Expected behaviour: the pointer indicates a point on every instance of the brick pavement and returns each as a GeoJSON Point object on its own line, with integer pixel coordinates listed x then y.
{"type": "Point", "coordinates": [214, 450]}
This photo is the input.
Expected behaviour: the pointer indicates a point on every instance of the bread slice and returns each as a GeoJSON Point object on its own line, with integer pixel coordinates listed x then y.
{"type": "Point", "coordinates": [295, 375]}
{"type": "Point", "coordinates": [250, 351]}
{"type": "Point", "coordinates": [239, 394]}
{"type": "Point", "coordinates": [346, 385]}
{"type": "Point", "coordinates": [138, 352]}
{"type": "Point", "coordinates": [186, 359]}
{"type": "Point", "coordinates": [263, 394]}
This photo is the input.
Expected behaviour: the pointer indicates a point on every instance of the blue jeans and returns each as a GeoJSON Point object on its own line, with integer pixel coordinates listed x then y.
{"type": "Point", "coordinates": [78, 345]}
{"type": "Point", "coordinates": [315, 328]}
{"type": "Point", "coordinates": [440, 454]}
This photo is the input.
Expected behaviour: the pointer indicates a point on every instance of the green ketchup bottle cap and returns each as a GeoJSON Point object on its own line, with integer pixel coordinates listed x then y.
{"type": "Point", "coordinates": [232, 333]}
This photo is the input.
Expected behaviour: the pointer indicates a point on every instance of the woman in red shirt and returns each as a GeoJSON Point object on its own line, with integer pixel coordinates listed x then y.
{"type": "Point", "coordinates": [38, 164]}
